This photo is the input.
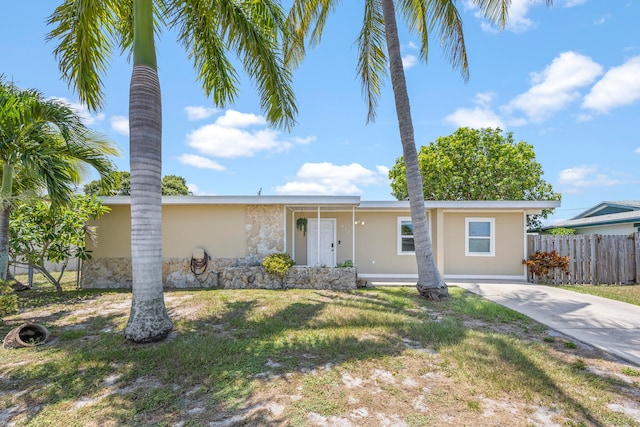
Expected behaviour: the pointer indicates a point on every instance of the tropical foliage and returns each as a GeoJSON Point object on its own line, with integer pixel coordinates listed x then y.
{"type": "Point", "coordinates": [378, 46]}
{"type": "Point", "coordinates": [43, 232]}
{"type": "Point", "coordinates": [172, 185]}
{"type": "Point", "coordinates": [562, 231]}
{"type": "Point", "coordinates": [88, 32]}
{"type": "Point", "coordinates": [477, 164]}
{"type": "Point", "coordinates": [46, 145]}
{"type": "Point", "coordinates": [278, 264]}
{"type": "Point", "coordinates": [545, 265]}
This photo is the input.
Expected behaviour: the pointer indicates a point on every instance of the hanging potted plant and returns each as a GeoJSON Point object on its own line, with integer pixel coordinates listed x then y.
{"type": "Point", "coordinates": [301, 225]}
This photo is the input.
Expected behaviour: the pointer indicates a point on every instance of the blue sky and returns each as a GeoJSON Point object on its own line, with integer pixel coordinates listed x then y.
{"type": "Point", "coordinates": [565, 79]}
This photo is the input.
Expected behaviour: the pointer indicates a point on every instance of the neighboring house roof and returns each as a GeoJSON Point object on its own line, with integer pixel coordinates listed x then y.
{"type": "Point", "coordinates": [609, 208]}
{"type": "Point", "coordinates": [605, 213]}
{"type": "Point", "coordinates": [301, 202]}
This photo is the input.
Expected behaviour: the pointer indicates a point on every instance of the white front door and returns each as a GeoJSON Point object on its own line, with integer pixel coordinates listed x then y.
{"type": "Point", "coordinates": [324, 253]}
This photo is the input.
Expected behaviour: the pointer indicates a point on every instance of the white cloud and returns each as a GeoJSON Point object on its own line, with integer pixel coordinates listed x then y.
{"type": "Point", "coordinates": [195, 190]}
{"type": "Point", "coordinates": [120, 124]}
{"type": "Point", "coordinates": [557, 86]}
{"type": "Point", "coordinates": [477, 117]}
{"type": "Point", "coordinates": [480, 116]}
{"type": "Point", "coordinates": [383, 170]}
{"type": "Point", "coordinates": [408, 61]}
{"type": "Point", "coordinates": [200, 162]}
{"type": "Point", "coordinates": [637, 151]}
{"type": "Point", "coordinates": [236, 119]}
{"type": "Point", "coordinates": [327, 178]}
{"type": "Point", "coordinates": [227, 137]}
{"type": "Point", "coordinates": [579, 178]}
{"type": "Point", "coordinates": [199, 113]}
{"type": "Point", "coordinates": [87, 117]}
{"type": "Point", "coordinates": [620, 86]}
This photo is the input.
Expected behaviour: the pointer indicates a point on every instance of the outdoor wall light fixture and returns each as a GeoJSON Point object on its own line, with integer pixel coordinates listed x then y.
{"type": "Point", "coordinates": [359, 222]}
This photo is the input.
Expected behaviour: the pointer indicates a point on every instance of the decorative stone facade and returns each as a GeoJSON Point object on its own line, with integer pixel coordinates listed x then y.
{"type": "Point", "coordinates": [246, 273]}
{"type": "Point", "coordinates": [265, 230]}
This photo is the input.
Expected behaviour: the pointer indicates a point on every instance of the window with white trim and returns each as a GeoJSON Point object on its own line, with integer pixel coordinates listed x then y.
{"type": "Point", "coordinates": [405, 236]}
{"type": "Point", "coordinates": [479, 237]}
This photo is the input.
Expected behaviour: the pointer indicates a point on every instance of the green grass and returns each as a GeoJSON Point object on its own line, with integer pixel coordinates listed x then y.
{"type": "Point", "coordinates": [629, 294]}
{"type": "Point", "coordinates": [322, 352]}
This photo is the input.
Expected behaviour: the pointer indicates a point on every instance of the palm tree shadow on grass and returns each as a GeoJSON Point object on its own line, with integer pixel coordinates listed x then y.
{"type": "Point", "coordinates": [533, 379]}
{"type": "Point", "coordinates": [218, 359]}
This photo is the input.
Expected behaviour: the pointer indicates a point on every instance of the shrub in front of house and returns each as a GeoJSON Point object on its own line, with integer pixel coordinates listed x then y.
{"type": "Point", "coordinates": [278, 264]}
{"type": "Point", "coordinates": [545, 264]}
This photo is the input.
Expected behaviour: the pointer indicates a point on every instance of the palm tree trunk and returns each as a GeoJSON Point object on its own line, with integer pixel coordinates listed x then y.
{"type": "Point", "coordinates": [5, 212]}
{"type": "Point", "coordinates": [148, 320]}
{"type": "Point", "coordinates": [430, 284]}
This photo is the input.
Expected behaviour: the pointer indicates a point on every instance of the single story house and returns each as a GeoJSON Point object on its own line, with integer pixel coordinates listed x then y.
{"type": "Point", "coordinates": [204, 236]}
{"type": "Point", "coordinates": [618, 217]}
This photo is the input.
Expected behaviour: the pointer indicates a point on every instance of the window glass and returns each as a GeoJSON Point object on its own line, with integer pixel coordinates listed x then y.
{"type": "Point", "coordinates": [406, 244]}
{"type": "Point", "coordinates": [479, 235]}
{"type": "Point", "coordinates": [480, 245]}
{"type": "Point", "coordinates": [477, 228]}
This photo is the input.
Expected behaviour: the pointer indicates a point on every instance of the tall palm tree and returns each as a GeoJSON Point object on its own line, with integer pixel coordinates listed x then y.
{"type": "Point", "coordinates": [307, 20]}
{"type": "Point", "coordinates": [46, 143]}
{"type": "Point", "coordinates": [86, 31]}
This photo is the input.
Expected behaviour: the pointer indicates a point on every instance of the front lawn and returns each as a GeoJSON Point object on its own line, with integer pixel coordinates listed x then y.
{"type": "Point", "coordinates": [371, 357]}
{"type": "Point", "coordinates": [630, 294]}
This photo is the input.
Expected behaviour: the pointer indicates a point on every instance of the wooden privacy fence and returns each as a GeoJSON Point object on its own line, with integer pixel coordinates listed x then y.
{"type": "Point", "coordinates": [593, 258]}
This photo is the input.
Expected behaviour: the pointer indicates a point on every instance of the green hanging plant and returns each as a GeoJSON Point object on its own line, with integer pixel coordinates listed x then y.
{"type": "Point", "coordinates": [301, 225]}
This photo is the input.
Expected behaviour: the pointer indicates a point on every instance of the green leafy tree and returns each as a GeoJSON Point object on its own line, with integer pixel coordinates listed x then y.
{"type": "Point", "coordinates": [87, 31]}
{"type": "Point", "coordinates": [46, 143]}
{"type": "Point", "coordinates": [172, 185]}
{"type": "Point", "coordinates": [121, 186]}
{"type": "Point", "coordinates": [378, 51]}
{"type": "Point", "coordinates": [477, 164]}
{"type": "Point", "coordinates": [43, 232]}
{"type": "Point", "coordinates": [562, 231]}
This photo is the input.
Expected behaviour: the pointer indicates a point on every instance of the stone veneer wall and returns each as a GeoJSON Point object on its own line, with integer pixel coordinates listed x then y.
{"type": "Point", "coordinates": [264, 230]}
{"type": "Point", "coordinates": [245, 273]}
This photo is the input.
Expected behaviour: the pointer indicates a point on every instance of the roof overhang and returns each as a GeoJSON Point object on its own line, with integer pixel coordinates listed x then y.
{"type": "Point", "coordinates": [243, 200]}
{"type": "Point", "coordinates": [336, 202]}
{"type": "Point", "coordinates": [530, 206]}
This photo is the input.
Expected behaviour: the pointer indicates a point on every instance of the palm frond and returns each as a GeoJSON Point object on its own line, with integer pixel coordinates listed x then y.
{"type": "Point", "coordinates": [442, 17]}
{"type": "Point", "coordinates": [372, 59]}
{"type": "Point", "coordinates": [46, 142]}
{"type": "Point", "coordinates": [198, 31]}
{"type": "Point", "coordinates": [84, 30]}
{"type": "Point", "coordinates": [306, 19]}
{"type": "Point", "coordinates": [252, 30]}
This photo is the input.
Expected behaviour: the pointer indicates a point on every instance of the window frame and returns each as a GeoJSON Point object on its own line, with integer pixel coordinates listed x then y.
{"type": "Point", "coordinates": [491, 237]}
{"type": "Point", "coordinates": [399, 235]}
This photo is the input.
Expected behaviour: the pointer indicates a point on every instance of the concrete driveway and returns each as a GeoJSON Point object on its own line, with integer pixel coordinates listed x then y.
{"type": "Point", "coordinates": [609, 325]}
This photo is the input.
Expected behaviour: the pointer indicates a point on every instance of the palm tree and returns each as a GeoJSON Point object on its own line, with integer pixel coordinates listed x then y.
{"type": "Point", "coordinates": [86, 30]}
{"type": "Point", "coordinates": [46, 144]}
{"type": "Point", "coordinates": [307, 19]}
